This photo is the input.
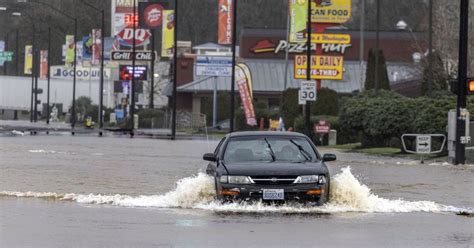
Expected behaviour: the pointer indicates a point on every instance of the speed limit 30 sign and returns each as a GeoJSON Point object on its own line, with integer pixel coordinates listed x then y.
{"type": "Point", "coordinates": [308, 91]}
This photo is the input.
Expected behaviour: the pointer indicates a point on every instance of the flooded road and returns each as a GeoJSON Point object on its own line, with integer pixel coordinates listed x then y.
{"type": "Point", "coordinates": [60, 191]}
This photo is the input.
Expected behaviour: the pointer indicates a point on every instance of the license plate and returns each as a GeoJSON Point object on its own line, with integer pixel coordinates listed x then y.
{"type": "Point", "coordinates": [273, 194]}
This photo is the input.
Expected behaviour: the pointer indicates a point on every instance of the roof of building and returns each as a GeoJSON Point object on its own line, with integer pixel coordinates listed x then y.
{"type": "Point", "coordinates": [210, 45]}
{"type": "Point", "coordinates": [268, 78]}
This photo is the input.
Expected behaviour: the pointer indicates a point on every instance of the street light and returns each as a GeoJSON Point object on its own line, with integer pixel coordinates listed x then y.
{"type": "Point", "coordinates": [403, 26]}
{"type": "Point", "coordinates": [101, 87]}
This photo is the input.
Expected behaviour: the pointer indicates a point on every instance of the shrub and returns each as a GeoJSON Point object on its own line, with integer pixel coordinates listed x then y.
{"type": "Point", "coordinates": [290, 109]}
{"type": "Point", "coordinates": [223, 106]}
{"type": "Point", "coordinates": [148, 116]}
{"type": "Point", "coordinates": [326, 103]}
{"type": "Point", "coordinates": [382, 118]}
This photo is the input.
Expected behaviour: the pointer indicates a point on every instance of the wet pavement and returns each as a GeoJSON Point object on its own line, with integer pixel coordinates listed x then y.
{"type": "Point", "coordinates": [64, 191]}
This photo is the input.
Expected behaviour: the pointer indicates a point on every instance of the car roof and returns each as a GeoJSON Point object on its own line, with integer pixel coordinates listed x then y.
{"type": "Point", "coordinates": [265, 133]}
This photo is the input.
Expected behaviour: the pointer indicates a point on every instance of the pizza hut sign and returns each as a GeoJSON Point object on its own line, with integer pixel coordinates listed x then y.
{"type": "Point", "coordinates": [142, 37]}
{"type": "Point", "coordinates": [153, 15]}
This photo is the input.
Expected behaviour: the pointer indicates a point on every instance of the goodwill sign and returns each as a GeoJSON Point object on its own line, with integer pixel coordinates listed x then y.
{"type": "Point", "coordinates": [82, 73]}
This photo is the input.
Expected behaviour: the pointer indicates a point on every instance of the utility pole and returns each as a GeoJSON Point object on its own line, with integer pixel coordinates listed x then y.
{"type": "Point", "coordinates": [32, 73]}
{"type": "Point", "coordinates": [460, 157]}
{"type": "Point", "coordinates": [361, 48]}
{"type": "Point", "coordinates": [175, 70]}
{"type": "Point", "coordinates": [73, 115]}
{"type": "Point", "coordinates": [49, 75]}
{"type": "Point", "coordinates": [16, 52]}
{"type": "Point", "coordinates": [430, 48]}
{"type": "Point", "coordinates": [132, 90]}
{"type": "Point", "coordinates": [102, 55]}
{"type": "Point", "coordinates": [232, 81]}
{"type": "Point", "coordinates": [377, 39]}
{"type": "Point", "coordinates": [308, 69]}
{"type": "Point", "coordinates": [152, 69]}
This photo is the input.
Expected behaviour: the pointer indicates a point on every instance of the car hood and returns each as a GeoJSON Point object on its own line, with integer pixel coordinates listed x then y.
{"type": "Point", "coordinates": [275, 168]}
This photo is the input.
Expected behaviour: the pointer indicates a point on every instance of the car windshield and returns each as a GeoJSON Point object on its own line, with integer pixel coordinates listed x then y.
{"type": "Point", "coordinates": [271, 149]}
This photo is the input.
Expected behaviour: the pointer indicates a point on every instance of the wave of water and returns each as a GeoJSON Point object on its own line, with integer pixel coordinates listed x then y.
{"type": "Point", "coordinates": [347, 195]}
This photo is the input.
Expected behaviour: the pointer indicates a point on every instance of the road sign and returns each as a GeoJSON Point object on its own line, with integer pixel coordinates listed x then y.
{"type": "Point", "coordinates": [322, 67]}
{"type": "Point", "coordinates": [308, 91]}
{"type": "Point", "coordinates": [322, 127]}
{"type": "Point", "coordinates": [301, 101]}
{"type": "Point", "coordinates": [423, 144]}
{"type": "Point", "coordinates": [214, 66]}
{"type": "Point", "coordinates": [6, 56]}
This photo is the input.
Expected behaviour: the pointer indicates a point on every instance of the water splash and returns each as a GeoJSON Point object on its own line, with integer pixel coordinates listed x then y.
{"type": "Point", "coordinates": [197, 192]}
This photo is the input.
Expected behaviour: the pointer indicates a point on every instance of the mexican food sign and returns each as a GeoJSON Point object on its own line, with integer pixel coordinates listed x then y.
{"type": "Point", "coordinates": [323, 11]}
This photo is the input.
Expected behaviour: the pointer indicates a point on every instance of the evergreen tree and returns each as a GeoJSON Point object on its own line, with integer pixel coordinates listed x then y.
{"type": "Point", "coordinates": [369, 74]}
{"type": "Point", "coordinates": [383, 81]}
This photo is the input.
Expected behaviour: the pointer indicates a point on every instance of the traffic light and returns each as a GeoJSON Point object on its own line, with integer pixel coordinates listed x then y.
{"type": "Point", "coordinates": [470, 86]}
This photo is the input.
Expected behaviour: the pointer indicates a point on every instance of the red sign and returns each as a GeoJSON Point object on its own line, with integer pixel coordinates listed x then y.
{"type": "Point", "coordinates": [322, 127]}
{"type": "Point", "coordinates": [225, 22]}
{"type": "Point", "coordinates": [153, 15]}
{"type": "Point", "coordinates": [141, 36]}
{"type": "Point", "coordinates": [245, 97]}
{"type": "Point", "coordinates": [130, 19]}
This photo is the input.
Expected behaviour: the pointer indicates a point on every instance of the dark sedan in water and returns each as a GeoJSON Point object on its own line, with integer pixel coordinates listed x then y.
{"type": "Point", "coordinates": [269, 166]}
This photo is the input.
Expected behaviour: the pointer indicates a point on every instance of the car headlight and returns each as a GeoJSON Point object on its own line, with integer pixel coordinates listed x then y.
{"type": "Point", "coordinates": [235, 179]}
{"type": "Point", "coordinates": [311, 179]}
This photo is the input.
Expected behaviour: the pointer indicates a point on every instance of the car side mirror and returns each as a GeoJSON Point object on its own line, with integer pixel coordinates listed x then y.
{"type": "Point", "coordinates": [209, 157]}
{"type": "Point", "coordinates": [329, 157]}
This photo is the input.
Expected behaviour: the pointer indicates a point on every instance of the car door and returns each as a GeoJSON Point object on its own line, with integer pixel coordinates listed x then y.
{"type": "Point", "coordinates": [212, 166]}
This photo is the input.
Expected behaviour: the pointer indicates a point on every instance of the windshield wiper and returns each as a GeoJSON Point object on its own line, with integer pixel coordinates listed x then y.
{"type": "Point", "coordinates": [271, 150]}
{"type": "Point", "coordinates": [306, 154]}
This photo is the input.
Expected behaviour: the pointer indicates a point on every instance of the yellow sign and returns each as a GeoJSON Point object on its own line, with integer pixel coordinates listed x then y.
{"type": "Point", "coordinates": [323, 11]}
{"type": "Point", "coordinates": [28, 60]}
{"type": "Point", "coordinates": [322, 67]}
{"type": "Point", "coordinates": [331, 38]}
{"type": "Point", "coordinates": [330, 11]}
{"type": "Point", "coordinates": [167, 37]}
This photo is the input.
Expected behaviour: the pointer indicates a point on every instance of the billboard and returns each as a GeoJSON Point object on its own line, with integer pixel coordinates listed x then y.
{"type": "Point", "coordinates": [69, 49]}
{"type": "Point", "coordinates": [167, 37]}
{"type": "Point", "coordinates": [322, 67]}
{"type": "Point", "coordinates": [242, 82]}
{"type": "Point", "coordinates": [28, 60]}
{"type": "Point", "coordinates": [43, 64]}
{"type": "Point", "coordinates": [225, 22]}
{"type": "Point", "coordinates": [323, 11]}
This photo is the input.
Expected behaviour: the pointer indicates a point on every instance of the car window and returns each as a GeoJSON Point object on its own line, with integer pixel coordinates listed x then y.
{"type": "Point", "coordinates": [219, 145]}
{"type": "Point", "coordinates": [282, 149]}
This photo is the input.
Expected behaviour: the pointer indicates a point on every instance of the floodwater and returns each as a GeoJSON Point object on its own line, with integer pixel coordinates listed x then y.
{"type": "Point", "coordinates": [86, 191]}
